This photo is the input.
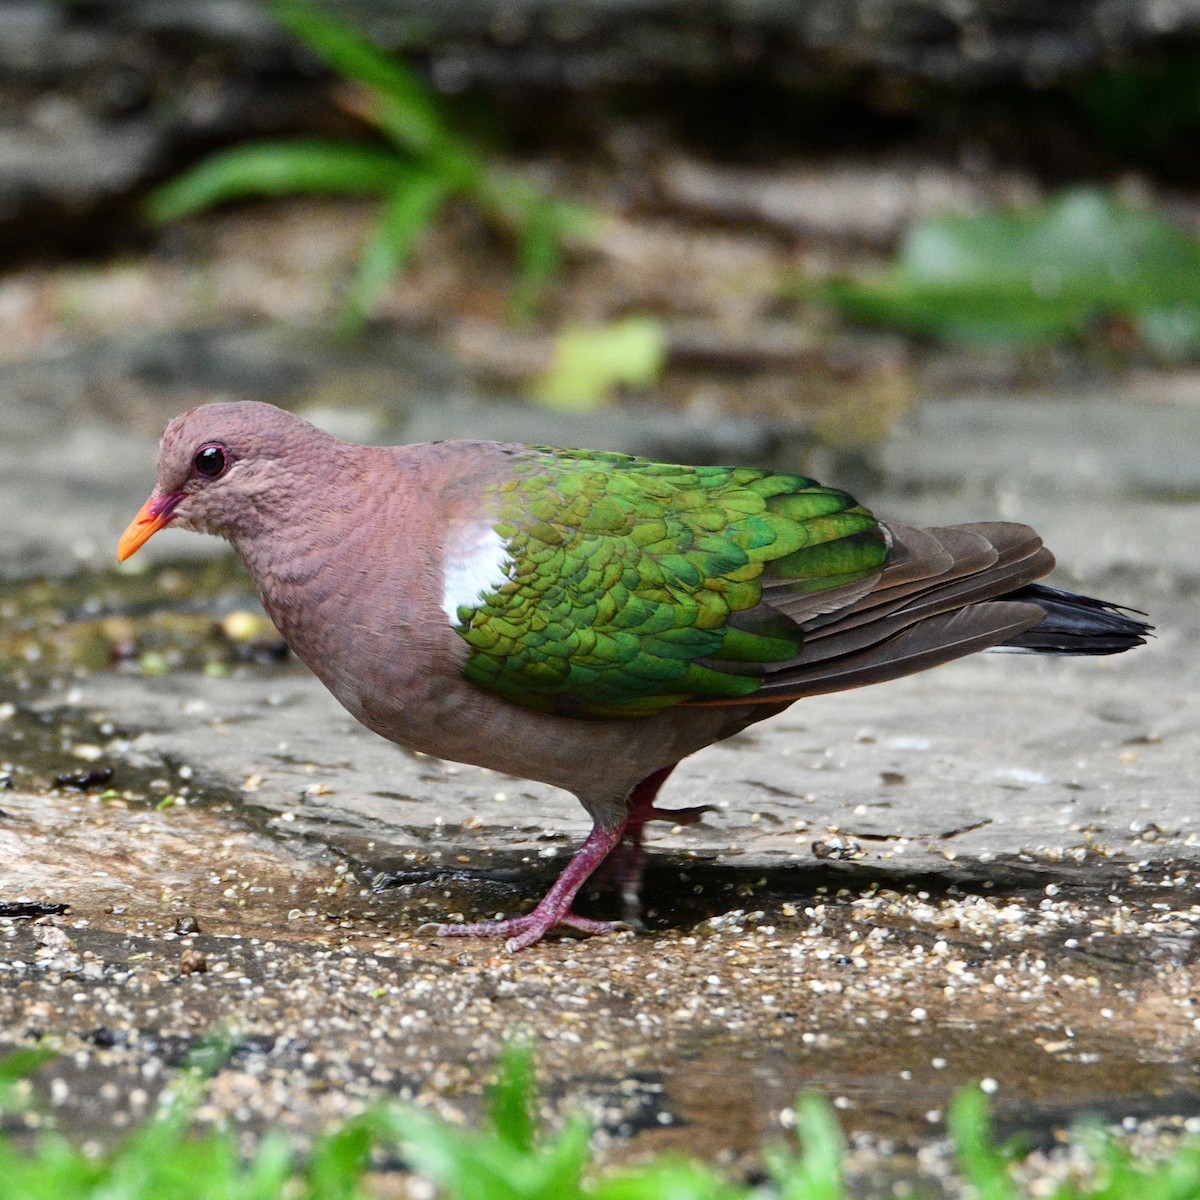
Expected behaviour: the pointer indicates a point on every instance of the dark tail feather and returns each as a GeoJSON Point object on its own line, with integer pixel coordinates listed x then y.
{"type": "Point", "coordinates": [1076, 624]}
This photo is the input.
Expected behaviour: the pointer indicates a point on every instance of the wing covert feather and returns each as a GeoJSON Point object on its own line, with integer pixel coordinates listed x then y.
{"type": "Point", "coordinates": [633, 585]}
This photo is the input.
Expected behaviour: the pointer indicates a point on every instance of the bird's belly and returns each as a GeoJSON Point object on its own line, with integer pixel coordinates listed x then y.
{"type": "Point", "coordinates": [401, 679]}
{"type": "Point", "coordinates": [455, 720]}
{"type": "Point", "coordinates": [598, 761]}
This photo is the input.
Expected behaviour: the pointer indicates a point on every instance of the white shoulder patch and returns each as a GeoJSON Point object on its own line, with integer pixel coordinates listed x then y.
{"type": "Point", "coordinates": [476, 563]}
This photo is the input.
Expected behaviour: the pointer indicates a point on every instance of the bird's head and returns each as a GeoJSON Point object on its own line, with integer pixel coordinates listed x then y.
{"type": "Point", "coordinates": [221, 467]}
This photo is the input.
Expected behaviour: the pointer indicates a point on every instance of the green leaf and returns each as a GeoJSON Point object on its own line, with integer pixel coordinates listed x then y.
{"type": "Point", "coordinates": [505, 1161]}
{"type": "Point", "coordinates": [1038, 275]}
{"type": "Point", "coordinates": [512, 200]}
{"type": "Point", "coordinates": [561, 1161]}
{"type": "Point", "coordinates": [22, 1062]}
{"type": "Point", "coordinates": [409, 211]}
{"type": "Point", "coordinates": [542, 225]}
{"type": "Point", "coordinates": [269, 1170]}
{"type": "Point", "coordinates": [428, 162]}
{"type": "Point", "coordinates": [1173, 331]}
{"type": "Point", "coordinates": [591, 362]}
{"type": "Point", "coordinates": [276, 169]}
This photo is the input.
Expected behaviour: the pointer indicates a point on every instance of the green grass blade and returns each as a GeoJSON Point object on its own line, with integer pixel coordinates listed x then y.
{"type": "Point", "coordinates": [561, 1161]}
{"type": "Point", "coordinates": [512, 201]}
{"type": "Point", "coordinates": [269, 1170]}
{"type": "Point", "coordinates": [513, 1096]}
{"type": "Point", "coordinates": [340, 1158]}
{"type": "Point", "coordinates": [53, 1170]}
{"type": "Point", "coordinates": [543, 226]}
{"type": "Point", "coordinates": [669, 1179]}
{"type": "Point", "coordinates": [1117, 1175]}
{"type": "Point", "coordinates": [506, 1160]}
{"type": "Point", "coordinates": [408, 212]}
{"type": "Point", "coordinates": [276, 168]}
{"type": "Point", "coordinates": [483, 1165]}
{"type": "Point", "coordinates": [984, 1165]}
{"type": "Point", "coordinates": [539, 259]}
{"type": "Point", "coordinates": [411, 114]}
{"type": "Point", "coordinates": [816, 1172]}
{"type": "Point", "coordinates": [17, 1065]}
{"type": "Point", "coordinates": [464, 1165]}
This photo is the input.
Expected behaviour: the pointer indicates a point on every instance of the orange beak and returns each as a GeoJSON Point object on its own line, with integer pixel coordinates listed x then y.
{"type": "Point", "coordinates": [152, 516]}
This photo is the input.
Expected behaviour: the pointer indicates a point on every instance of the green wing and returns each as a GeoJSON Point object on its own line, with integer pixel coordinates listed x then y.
{"type": "Point", "coordinates": [636, 585]}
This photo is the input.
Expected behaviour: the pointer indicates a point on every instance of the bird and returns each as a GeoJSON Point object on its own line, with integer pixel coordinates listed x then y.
{"type": "Point", "coordinates": [585, 618]}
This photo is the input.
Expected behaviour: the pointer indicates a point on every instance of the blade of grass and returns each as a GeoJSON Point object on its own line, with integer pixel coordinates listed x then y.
{"type": "Point", "coordinates": [463, 1164]}
{"type": "Point", "coordinates": [340, 1158]}
{"type": "Point", "coordinates": [269, 1170]}
{"type": "Point", "coordinates": [276, 169]}
{"type": "Point", "coordinates": [17, 1065]}
{"type": "Point", "coordinates": [511, 1099]}
{"type": "Point", "coordinates": [486, 1165]}
{"type": "Point", "coordinates": [451, 157]}
{"type": "Point", "coordinates": [984, 1165]}
{"type": "Point", "coordinates": [539, 259]}
{"type": "Point", "coordinates": [393, 97]}
{"type": "Point", "coordinates": [510, 200]}
{"type": "Point", "coordinates": [667, 1180]}
{"type": "Point", "coordinates": [412, 116]}
{"type": "Point", "coordinates": [561, 1161]}
{"type": "Point", "coordinates": [543, 224]}
{"type": "Point", "coordinates": [816, 1172]}
{"type": "Point", "coordinates": [399, 102]}
{"type": "Point", "coordinates": [408, 212]}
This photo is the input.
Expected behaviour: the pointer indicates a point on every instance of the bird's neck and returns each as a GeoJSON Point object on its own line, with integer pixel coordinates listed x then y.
{"type": "Point", "coordinates": [286, 527]}
{"type": "Point", "coordinates": [349, 561]}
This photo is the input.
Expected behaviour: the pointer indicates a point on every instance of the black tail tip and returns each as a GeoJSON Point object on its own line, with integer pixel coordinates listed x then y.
{"type": "Point", "coordinates": [1076, 624]}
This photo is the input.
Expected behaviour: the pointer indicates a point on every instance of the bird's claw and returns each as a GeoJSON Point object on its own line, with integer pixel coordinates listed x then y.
{"type": "Point", "coordinates": [521, 932]}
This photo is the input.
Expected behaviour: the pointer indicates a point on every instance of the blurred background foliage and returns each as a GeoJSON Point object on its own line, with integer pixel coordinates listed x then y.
{"type": "Point", "coordinates": [422, 165]}
{"type": "Point", "coordinates": [762, 209]}
{"type": "Point", "coordinates": [1046, 273]}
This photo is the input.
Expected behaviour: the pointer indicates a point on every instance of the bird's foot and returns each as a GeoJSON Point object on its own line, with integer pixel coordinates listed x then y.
{"type": "Point", "coordinates": [520, 932]}
{"type": "Point", "coordinates": [554, 908]}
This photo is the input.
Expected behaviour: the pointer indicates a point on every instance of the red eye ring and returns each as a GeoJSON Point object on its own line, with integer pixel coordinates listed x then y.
{"type": "Point", "coordinates": [211, 460]}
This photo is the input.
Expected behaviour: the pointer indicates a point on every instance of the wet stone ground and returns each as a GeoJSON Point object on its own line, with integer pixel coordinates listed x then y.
{"type": "Point", "coordinates": [984, 872]}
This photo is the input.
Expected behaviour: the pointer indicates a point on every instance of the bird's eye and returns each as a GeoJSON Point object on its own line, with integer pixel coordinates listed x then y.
{"type": "Point", "coordinates": [210, 461]}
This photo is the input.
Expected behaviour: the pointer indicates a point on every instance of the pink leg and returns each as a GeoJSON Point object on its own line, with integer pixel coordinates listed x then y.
{"type": "Point", "coordinates": [555, 906]}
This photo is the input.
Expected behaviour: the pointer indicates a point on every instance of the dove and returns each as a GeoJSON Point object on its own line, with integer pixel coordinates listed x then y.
{"type": "Point", "coordinates": [585, 618]}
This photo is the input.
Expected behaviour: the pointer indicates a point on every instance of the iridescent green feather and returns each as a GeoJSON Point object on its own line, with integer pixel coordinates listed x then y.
{"type": "Point", "coordinates": [625, 574]}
